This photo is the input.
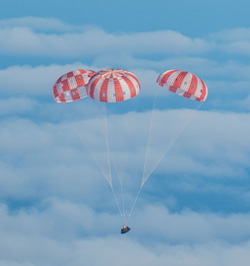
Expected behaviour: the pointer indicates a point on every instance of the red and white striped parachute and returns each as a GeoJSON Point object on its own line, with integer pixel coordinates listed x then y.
{"type": "Point", "coordinates": [72, 86]}
{"type": "Point", "coordinates": [113, 85]}
{"type": "Point", "coordinates": [184, 83]}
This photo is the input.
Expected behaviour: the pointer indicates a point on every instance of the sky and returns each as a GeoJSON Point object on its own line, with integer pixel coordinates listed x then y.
{"type": "Point", "coordinates": [56, 206]}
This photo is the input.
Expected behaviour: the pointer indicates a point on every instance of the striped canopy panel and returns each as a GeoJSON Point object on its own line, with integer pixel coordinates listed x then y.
{"type": "Point", "coordinates": [184, 84]}
{"type": "Point", "coordinates": [113, 85]}
{"type": "Point", "coordinates": [72, 86]}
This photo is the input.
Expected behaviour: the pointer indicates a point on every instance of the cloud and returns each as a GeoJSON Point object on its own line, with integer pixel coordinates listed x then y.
{"type": "Point", "coordinates": [17, 105]}
{"type": "Point", "coordinates": [219, 154]}
{"type": "Point", "coordinates": [38, 158]}
{"type": "Point", "coordinates": [63, 231]}
{"type": "Point", "coordinates": [231, 35]}
{"type": "Point", "coordinates": [20, 38]}
{"type": "Point", "coordinates": [52, 38]}
{"type": "Point", "coordinates": [234, 41]}
{"type": "Point", "coordinates": [41, 24]}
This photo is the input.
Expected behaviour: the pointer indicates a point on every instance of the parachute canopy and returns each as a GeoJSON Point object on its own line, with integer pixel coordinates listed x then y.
{"type": "Point", "coordinates": [184, 84]}
{"type": "Point", "coordinates": [113, 85]}
{"type": "Point", "coordinates": [72, 86]}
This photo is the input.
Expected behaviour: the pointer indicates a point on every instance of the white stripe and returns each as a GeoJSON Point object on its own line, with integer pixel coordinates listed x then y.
{"type": "Point", "coordinates": [111, 91]}
{"type": "Point", "coordinates": [193, 97]}
{"type": "Point", "coordinates": [186, 82]}
{"type": "Point", "coordinates": [125, 89]}
{"type": "Point", "coordinates": [63, 77]}
{"type": "Point", "coordinates": [199, 88]}
{"type": "Point", "coordinates": [82, 91]}
{"type": "Point", "coordinates": [180, 91]}
{"type": "Point", "coordinates": [97, 90]}
{"type": "Point", "coordinates": [72, 83]}
{"type": "Point", "coordinates": [172, 77]}
{"type": "Point", "coordinates": [135, 83]}
{"type": "Point", "coordinates": [59, 89]}
{"type": "Point", "coordinates": [90, 83]}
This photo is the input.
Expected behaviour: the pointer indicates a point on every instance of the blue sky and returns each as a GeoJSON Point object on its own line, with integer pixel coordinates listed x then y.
{"type": "Point", "coordinates": [56, 208]}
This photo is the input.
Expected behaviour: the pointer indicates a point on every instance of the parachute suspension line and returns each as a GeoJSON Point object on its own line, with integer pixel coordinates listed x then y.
{"type": "Point", "coordinates": [116, 201]}
{"type": "Point", "coordinates": [121, 180]}
{"type": "Point", "coordinates": [107, 144]}
{"type": "Point", "coordinates": [123, 205]}
{"type": "Point", "coordinates": [149, 137]}
{"type": "Point", "coordinates": [121, 175]}
{"type": "Point", "coordinates": [97, 164]}
{"type": "Point", "coordinates": [146, 156]}
{"type": "Point", "coordinates": [130, 132]}
{"type": "Point", "coordinates": [109, 161]}
{"type": "Point", "coordinates": [122, 197]}
{"type": "Point", "coordinates": [132, 208]}
{"type": "Point", "coordinates": [145, 178]}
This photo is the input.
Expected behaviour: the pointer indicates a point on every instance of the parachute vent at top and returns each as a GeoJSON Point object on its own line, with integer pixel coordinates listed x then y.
{"type": "Point", "coordinates": [72, 86]}
{"type": "Point", "coordinates": [113, 85]}
{"type": "Point", "coordinates": [184, 84]}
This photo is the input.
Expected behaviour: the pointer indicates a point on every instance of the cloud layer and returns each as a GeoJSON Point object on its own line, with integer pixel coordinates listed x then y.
{"type": "Point", "coordinates": [53, 234]}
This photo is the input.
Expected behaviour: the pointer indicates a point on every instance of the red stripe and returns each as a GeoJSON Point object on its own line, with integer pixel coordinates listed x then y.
{"type": "Point", "coordinates": [55, 91]}
{"type": "Point", "coordinates": [179, 79]}
{"type": "Point", "coordinates": [131, 87]}
{"type": "Point", "coordinates": [173, 89]}
{"type": "Point", "coordinates": [134, 77]}
{"type": "Point", "coordinates": [104, 91]}
{"type": "Point", "coordinates": [165, 77]}
{"type": "Point", "coordinates": [59, 80]}
{"type": "Point", "coordinates": [86, 89]}
{"type": "Point", "coordinates": [118, 91]}
{"type": "Point", "coordinates": [70, 74]}
{"type": "Point", "coordinates": [62, 98]}
{"type": "Point", "coordinates": [82, 71]}
{"type": "Point", "coordinates": [204, 91]}
{"type": "Point", "coordinates": [193, 85]}
{"type": "Point", "coordinates": [187, 95]}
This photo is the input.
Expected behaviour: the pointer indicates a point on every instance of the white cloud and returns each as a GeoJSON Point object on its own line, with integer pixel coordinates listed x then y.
{"type": "Point", "coordinates": [214, 144]}
{"type": "Point", "coordinates": [40, 24]}
{"type": "Point", "coordinates": [231, 35]}
{"type": "Point", "coordinates": [17, 105]}
{"type": "Point", "coordinates": [235, 41]}
{"type": "Point", "coordinates": [63, 231]}
{"type": "Point", "coordinates": [49, 154]}
{"type": "Point", "coordinates": [51, 37]}
{"type": "Point", "coordinates": [21, 39]}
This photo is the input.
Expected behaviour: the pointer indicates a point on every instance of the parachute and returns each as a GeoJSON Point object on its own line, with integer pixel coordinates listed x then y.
{"type": "Point", "coordinates": [116, 86]}
{"type": "Point", "coordinates": [72, 86]}
{"type": "Point", "coordinates": [113, 85]}
{"type": "Point", "coordinates": [189, 87]}
{"type": "Point", "coordinates": [184, 84]}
